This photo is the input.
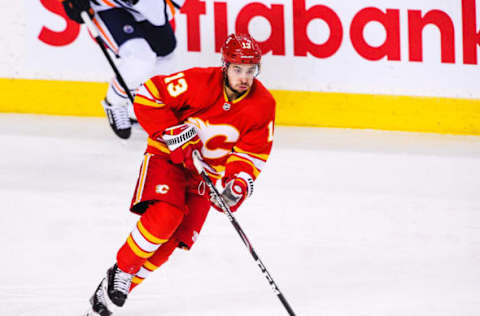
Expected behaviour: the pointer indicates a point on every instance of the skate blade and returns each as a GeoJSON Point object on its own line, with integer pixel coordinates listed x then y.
{"type": "Point", "coordinates": [108, 303]}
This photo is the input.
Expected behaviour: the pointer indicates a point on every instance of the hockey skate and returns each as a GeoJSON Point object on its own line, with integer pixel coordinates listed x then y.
{"type": "Point", "coordinates": [118, 118]}
{"type": "Point", "coordinates": [112, 291]}
{"type": "Point", "coordinates": [98, 302]}
{"type": "Point", "coordinates": [118, 285]}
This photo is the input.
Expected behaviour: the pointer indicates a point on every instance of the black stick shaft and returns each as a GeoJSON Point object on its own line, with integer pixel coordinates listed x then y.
{"type": "Point", "coordinates": [247, 243]}
{"type": "Point", "coordinates": [88, 21]}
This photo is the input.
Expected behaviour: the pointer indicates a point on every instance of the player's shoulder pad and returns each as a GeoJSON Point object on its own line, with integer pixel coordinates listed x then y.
{"type": "Point", "coordinates": [264, 91]}
{"type": "Point", "coordinates": [264, 96]}
{"type": "Point", "coordinates": [261, 109]}
{"type": "Point", "coordinates": [203, 77]}
{"type": "Point", "coordinates": [203, 71]}
{"type": "Point", "coordinates": [196, 74]}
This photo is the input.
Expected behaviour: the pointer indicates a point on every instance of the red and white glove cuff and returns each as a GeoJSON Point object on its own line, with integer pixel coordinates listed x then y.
{"type": "Point", "coordinates": [247, 179]}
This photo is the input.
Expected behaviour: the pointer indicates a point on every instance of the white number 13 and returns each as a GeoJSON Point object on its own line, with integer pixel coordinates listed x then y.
{"type": "Point", "coordinates": [246, 45]}
{"type": "Point", "coordinates": [178, 86]}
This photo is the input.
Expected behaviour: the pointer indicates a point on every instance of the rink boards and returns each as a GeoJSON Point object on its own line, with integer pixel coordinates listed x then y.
{"type": "Point", "coordinates": [407, 65]}
{"type": "Point", "coordinates": [300, 108]}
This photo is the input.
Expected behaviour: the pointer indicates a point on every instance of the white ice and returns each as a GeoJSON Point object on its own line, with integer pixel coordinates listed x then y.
{"type": "Point", "coordinates": [348, 222]}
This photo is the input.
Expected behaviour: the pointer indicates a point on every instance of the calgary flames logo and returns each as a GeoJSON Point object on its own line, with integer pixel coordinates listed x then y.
{"type": "Point", "coordinates": [219, 139]}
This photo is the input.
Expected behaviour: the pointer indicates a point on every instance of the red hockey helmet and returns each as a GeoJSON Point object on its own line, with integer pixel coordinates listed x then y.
{"type": "Point", "coordinates": [241, 49]}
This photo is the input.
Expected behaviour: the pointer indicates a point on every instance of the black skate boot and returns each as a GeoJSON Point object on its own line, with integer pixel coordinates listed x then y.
{"type": "Point", "coordinates": [118, 118]}
{"type": "Point", "coordinates": [98, 301]}
{"type": "Point", "coordinates": [118, 285]}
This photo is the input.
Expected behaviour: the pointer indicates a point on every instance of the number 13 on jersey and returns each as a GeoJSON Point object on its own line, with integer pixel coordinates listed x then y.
{"type": "Point", "coordinates": [176, 84]}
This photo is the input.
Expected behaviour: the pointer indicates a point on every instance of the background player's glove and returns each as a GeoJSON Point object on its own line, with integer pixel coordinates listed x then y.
{"type": "Point", "coordinates": [237, 189]}
{"type": "Point", "coordinates": [73, 8]}
{"type": "Point", "coordinates": [182, 140]}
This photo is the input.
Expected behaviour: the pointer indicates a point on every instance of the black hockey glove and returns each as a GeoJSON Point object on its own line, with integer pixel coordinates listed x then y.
{"type": "Point", "coordinates": [73, 8]}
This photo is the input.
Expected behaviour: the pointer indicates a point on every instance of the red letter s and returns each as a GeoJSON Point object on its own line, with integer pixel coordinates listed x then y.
{"type": "Point", "coordinates": [64, 37]}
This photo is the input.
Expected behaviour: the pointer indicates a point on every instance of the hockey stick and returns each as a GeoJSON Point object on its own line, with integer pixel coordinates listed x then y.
{"type": "Point", "coordinates": [93, 29]}
{"type": "Point", "coordinates": [199, 166]}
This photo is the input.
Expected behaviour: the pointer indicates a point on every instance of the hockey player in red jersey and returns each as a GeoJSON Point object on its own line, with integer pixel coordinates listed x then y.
{"type": "Point", "coordinates": [228, 116]}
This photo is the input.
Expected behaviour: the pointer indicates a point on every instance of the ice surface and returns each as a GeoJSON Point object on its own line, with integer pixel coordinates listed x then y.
{"type": "Point", "coordinates": [348, 222]}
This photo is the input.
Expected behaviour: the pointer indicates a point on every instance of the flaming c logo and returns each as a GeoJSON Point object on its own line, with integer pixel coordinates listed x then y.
{"type": "Point", "coordinates": [218, 138]}
{"type": "Point", "coordinates": [162, 188]}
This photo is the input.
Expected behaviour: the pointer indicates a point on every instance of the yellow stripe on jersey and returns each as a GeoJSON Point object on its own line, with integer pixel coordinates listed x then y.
{"type": "Point", "coordinates": [158, 145]}
{"type": "Point", "coordinates": [232, 158]}
{"type": "Point", "coordinates": [136, 250]}
{"type": "Point", "coordinates": [152, 88]}
{"type": "Point", "coordinates": [191, 142]}
{"type": "Point", "coordinates": [139, 99]}
{"type": "Point", "coordinates": [148, 235]}
{"type": "Point", "coordinates": [213, 175]}
{"type": "Point", "coordinates": [263, 157]}
{"type": "Point", "coordinates": [219, 169]}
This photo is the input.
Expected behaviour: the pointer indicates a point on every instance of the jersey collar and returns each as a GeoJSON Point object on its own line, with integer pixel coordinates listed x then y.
{"type": "Point", "coordinates": [236, 100]}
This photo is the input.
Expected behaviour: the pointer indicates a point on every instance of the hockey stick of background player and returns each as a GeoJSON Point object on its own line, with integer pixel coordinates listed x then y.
{"type": "Point", "coordinates": [199, 166]}
{"type": "Point", "coordinates": [93, 29]}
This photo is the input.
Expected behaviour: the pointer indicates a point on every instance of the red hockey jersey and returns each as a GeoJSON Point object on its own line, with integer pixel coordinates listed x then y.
{"type": "Point", "coordinates": [237, 136]}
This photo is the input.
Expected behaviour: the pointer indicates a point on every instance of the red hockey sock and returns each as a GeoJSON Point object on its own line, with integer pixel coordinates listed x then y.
{"type": "Point", "coordinates": [154, 262]}
{"type": "Point", "coordinates": [153, 229]}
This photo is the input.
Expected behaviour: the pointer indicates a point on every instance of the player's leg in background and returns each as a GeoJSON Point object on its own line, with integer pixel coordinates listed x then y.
{"type": "Point", "coordinates": [136, 63]}
{"type": "Point", "coordinates": [163, 42]}
{"type": "Point", "coordinates": [184, 237]}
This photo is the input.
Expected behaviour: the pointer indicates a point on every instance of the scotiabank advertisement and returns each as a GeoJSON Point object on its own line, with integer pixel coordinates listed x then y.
{"type": "Point", "coordinates": [407, 47]}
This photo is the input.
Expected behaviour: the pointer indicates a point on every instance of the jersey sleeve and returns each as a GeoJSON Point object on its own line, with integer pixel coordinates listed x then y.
{"type": "Point", "coordinates": [252, 150]}
{"type": "Point", "coordinates": [158, 101]}
{"type": "Point", "coordinates": [151, 109]}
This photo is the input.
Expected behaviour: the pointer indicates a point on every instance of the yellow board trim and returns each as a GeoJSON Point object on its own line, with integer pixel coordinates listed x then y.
{"type": "Point", "coordinates": [383, 112]}
{"type": "Point", "coordinates": [299, 108]}
{"type": "Point", "coordinates": [52, 97]}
